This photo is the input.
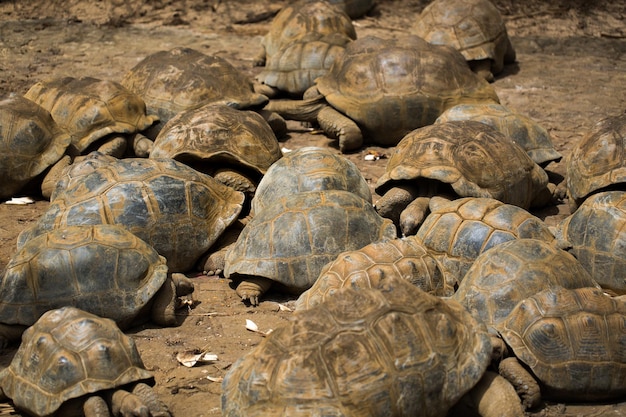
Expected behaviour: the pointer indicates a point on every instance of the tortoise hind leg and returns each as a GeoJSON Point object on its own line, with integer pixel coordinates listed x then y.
{"type": "Point", "coordinates": [165, 300]}
{"type": "Point", "coordinates": [492, 396]}
{"type": "Point", "coordinates": [251, 288]}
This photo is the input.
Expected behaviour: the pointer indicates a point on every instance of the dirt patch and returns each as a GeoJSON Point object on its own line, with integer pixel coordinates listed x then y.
{"type": "Point", "coordinates": [570, 72]}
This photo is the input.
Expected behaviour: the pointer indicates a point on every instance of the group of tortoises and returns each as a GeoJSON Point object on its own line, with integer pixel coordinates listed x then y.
{"type": "Point", "coordinates": [444, 293]}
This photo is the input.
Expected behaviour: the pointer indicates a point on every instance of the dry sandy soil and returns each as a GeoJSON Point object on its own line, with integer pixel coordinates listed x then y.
{"type": "Point", "coordinates": [570, 72]}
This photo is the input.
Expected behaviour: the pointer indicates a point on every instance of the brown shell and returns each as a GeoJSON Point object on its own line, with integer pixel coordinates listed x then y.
{"type": "Point", "coordinates": [183, 78]}
{"type": "Point", "coordinates": [66, 354]}
{"type": "Point", "coordinates": [302, 18]}
{"type": "Point", "coordinates": [30, 142]}
{"type": "Point", "coordinates": [598, 160]}
{"type": "Point", "coordinates": [369, 266]}
{"type": "Point", "coordinates": [90, 109]}
{"type": "Point", "coordinates": [521, 129]}
{"type": "Point", "coordinates": [216, 135]}
{"type": "Point", "coordinates": [514, 270]}
{"type": "Point", "coordinates": [309, 169]}
{"type": "Point", "coordinates": [291, 240]}
{"type": "Point", "coordinates": [475, 28]}
{"type": "Point", "coordinates": [574, 342]}
{"type": "Point", "coordinates": [596, 232]}
{"type": "Point", "coordinates": [391, 86]}
{"type": "Point", "coordinates": [103, 269]}
{"type": "Point", "coordinates": [176, 209]}
{"type": "Point", "coordinates": [474, 159]}
{"type": "Point", "coordinates": [393, 351]}
{"type": "Point", "coordinates": [456, 232]}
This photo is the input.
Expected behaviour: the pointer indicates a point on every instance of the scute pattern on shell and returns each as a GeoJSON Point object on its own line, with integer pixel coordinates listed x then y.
{"type": "Point", "coordinates": [574, 342]}
{"type": "Point", "coordinates": [401, 352]}
{"type": "Point", "coordinates": [291, 240]}
{"type": "Point", "coordinates": [89, 108]}
{"type": "Point", "coordinates": [176, 209]}
{"type": "Point", "coordinates": [391, 86]}
{"type": "Point", "coordinates": [474, 159]}
{"type": "Point", "coordinates": [103, 269]}
{"type": "Point", "coordinates": [371, 265]}
{"type": "Point", "coordinates": [30, 142]}
{"type": "Point", "coordinates": [69, 353]}
{"type": "Point", "coordinates": [512, 271]}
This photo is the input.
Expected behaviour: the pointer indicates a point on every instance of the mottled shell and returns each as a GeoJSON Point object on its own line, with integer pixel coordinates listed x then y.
{"type": "Point", "coordinates": [596, 233]}
{"type": "Point", "coordinates": [183, 78]}
{"type": "Point", "coordinates": [457, 232]}
{"type": "Point", "coordinates": [393, 351]}
{"type": "Point", "coordinates": [294, 67]}
{"type": "Point", "coordinates": [524, 131]}
{"type": "Point", "coordinates": [302, 18]}
{"type": "Point", "coordinates": [30, 142]}
{"type": "Point", "coordinates": [66, 354]}
{"type": "Point", "coordinates": [103, 269]}
{"type": "Point", "coordinates": [391, 86]}
{"type": "Point", "coordinates": [216, 135]}
{"type": "Point", "coordinates": [512, 271]}
{"type": "Point", "coordinates": [309, 169]}
{"type": "Point", "coordinates": [475, 28]}
{"type": "Point", "coordinates": [369, 266]}
{"type": "Point", "coordinates": [292, 239]}
{"type": "Point", "coordinates": [598, 160]}
{"type": "Point", "coordinates": [573, 341]}
{"type": "Point", "coordinates": [474, 159]}
{"type": "Point", "coordinates": [176, 209]}
{"type": "Point", "coordinates": [90, 109]}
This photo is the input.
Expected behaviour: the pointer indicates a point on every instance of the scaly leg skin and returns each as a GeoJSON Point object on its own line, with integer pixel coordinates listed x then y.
{"type": "Point", "coordinates": [338, 125]}
{"type": "Point", "coordinates": [413, 216]}
{"type": "Point", "coordinates": [96, 406]}
{"type": "Point", "coordinates": [125, 404]}
{"type": "Point", "coordinates": [482, 67]}
{"type": "Point", "coordinates": [524, 383]}
{"type": "Point", "coordinates": [151, 400]}
{"type": "Point", "coordinates": [164, 304]}
{"type": "Point", "coordinates": [141, 145]}
{"type": "Point", "coordinates": [395, 200]}
{"type": "Point", "coordinates": [492, 396]}
{"type": "Point", "coordinates": [251, 288]}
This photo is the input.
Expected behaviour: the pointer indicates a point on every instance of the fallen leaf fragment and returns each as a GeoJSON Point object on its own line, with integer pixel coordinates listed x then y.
{"type": "Point", "coordinates": [190, 358]}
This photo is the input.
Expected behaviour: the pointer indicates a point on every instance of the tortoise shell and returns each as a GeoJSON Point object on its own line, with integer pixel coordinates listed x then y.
{"type": "Point", "coordinates": [524, 131]}
{"type": "Point", "coordinates": [30, 142]}
{"type": "Point", "coordinates": [512, 271]}
{"type": "Point", "coordinates": [90, 109]}
{"type": "Point", "coordinates": [390, 87]}
{"type": "Point", "coordinates": [309, 169]}
{"type": "Point", "coordinates": [179, 211]}
{"type": "Point", "coordinates": [598, 161]}
{"type": "Point", "coordinates": [475, 28]}
{"type": "Point", "coordinates": [214, 135]}
{"type": "Point", "coordinates": [103, 269]}
{"type": "Point", "coordinates": [69, 353]}
{"type": "Point", "coordinates": [474, 159]}
{"type": "Point", "coordinates": [183, 78]}
{"type": "Point", "coordinates": [392, 351]}
{"type": "Point", "coordinates": [291, 240]}
{"type": "Point", "coordinates": [596, 233]}
{"type": "Point", "coordinates": [573, 341]}
{"type": "Point", "coordinates": [456, 232]}
{"type": "Point", "coordinates": [369, 266]}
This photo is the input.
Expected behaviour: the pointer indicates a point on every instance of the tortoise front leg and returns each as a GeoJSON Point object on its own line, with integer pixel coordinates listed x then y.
{"type": "Point", "coordinates": [251, 288]}
{"type": "Point", "coordinates": [126, 404]}
{"type": "Point", "coordinates": [96, 406]}
{"type": "Point", "coordinates": [151, 400]}
{"type": "Point", "coordinates": [523, 382]}
{"type": "Point", "coordinates": [337, 125]}
{"type": "Point", "coordinates": [492, 396]}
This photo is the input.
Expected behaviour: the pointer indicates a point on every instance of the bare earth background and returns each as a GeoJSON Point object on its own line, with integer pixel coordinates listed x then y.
{"type": "Point", "coordinates": [571, 72]}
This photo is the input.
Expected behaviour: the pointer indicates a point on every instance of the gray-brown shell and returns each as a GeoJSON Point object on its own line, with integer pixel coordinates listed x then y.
{"type": "Point", "coordinates": [183, 78]}
{"type": "Point", "coordinates": [573, 342]}
{"type": "Point", "coordinates": [176, 209]}
{"type": "Point", "coordinates": [309, 169]}
{"type": "Point", "coordinates": [30, 142]}
{"type": "Point", "coordinates": [66, 354]}
{"type": "Point", "coordinates": [371, 265]}
{"type": "Point", "coordinates": [475, 28]}
{"type": "Point", "coordinates": [401, 351]}
{"type": "Point", "coordinates": [90, 109]}
{"type": "Point", "coordinates": [291, 240]}
{"type": "Point", "coordinates": [598, 160]}
{"type": "Point", "coordinates": [474, 159]}
{"type": "Point", "coordinates": [524, 131]}
{"type": "Point", "coordinates": [215, 136]}
{"type": "Point", "coordinates": [391, 86]}
{"type": "Point", "coordinates": [509, 272]}
{"type": "Point", "coordinates": [596, 233]}
{"type": "Point", "coordinates": [456, 232]}
{"type": "Point", "coordinates": [103, 269]}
